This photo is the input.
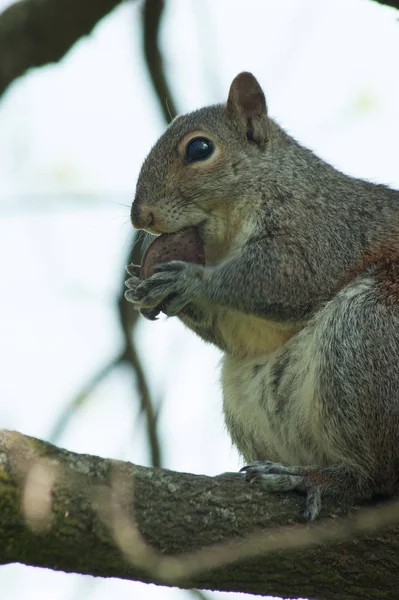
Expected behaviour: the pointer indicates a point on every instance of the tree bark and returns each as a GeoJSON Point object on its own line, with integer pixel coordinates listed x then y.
{"type": "Point", "coordinates": [79, 513]}
{"type": "Point", "coordinates": [37, 32]}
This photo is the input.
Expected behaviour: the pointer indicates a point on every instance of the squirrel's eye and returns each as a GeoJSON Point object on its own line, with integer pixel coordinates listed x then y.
{"type": "Point", "coordinates": [198, 149]}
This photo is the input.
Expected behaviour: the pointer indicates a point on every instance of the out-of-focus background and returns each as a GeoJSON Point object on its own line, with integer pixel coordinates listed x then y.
{"type": "Point", "coordinates": [72, 138]}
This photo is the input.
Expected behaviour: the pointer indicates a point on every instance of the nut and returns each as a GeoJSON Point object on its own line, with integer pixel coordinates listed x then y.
{"type": "Point", "coordinates": [185, 245]}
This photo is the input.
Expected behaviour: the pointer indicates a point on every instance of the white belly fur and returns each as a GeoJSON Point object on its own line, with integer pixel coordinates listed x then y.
{"type": "Point", "coordinates": [261, 428]}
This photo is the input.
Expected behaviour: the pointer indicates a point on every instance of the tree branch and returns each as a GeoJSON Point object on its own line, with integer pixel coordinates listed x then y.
{"type": "Point", "coordinates": [152, 16]}
{"type": "Point", "coordinates": [393, 3]}
{"type": "Point", "coordinates": [84, 514]}
{"type": "Point", "coordinates": [34, 33]}
{"type": "Point", "coordinates": [128, 318]}
{"type": "Point", "coordinates": [37, 32]}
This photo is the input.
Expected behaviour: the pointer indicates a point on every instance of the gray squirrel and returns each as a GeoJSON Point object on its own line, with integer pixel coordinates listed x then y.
{"type": "Point", "coordinates": [300, 290]}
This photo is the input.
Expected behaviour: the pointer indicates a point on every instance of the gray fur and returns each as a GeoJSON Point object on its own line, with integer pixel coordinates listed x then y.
{"type": "Point", "coordinates": [300, 291]}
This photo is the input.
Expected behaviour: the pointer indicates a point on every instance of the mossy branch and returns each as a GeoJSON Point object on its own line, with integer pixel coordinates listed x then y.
{"type": "Point", "coordinates": [84, 514]}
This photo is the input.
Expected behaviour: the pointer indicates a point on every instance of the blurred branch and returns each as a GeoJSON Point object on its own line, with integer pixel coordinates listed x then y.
{"type": "Point", "coordinates": [82, 397]}
{"type": "Point", "coordinates": [129, 356]}
{"type": "Point", "coordinates": [83, 514]}
{"type": "Point", "coordinates": [198, 594]}
{"type": "Point", "coordinates": [34, 33]}
{"type": "Point", "coordinates": [152, 16]}
{"type": "Point", "coordinates": [393, 3]}
{"type": "Point", "coordinates": [128, 318]}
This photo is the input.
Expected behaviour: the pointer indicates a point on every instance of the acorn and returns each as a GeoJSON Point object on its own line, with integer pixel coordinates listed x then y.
{"type": "Point", "coordinates": [185, 245]}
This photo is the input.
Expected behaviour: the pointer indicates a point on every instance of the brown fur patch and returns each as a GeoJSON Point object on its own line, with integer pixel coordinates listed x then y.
{"type": "Point", "coordinates": [316, 477]}
{"type": "Point", "coordinates": [388, 276]}
{"type": "Point", "coordinates": [385, 257]}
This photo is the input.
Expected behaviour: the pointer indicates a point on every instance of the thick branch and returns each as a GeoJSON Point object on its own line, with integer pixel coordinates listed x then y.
{"type": "Point", "coordinates": [37, 32]}
{"type": "Point", "coordinates": [76, 513]}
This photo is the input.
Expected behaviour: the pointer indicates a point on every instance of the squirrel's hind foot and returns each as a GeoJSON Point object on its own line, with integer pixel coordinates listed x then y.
{"type": "Point", "coordinates": [276, 477]}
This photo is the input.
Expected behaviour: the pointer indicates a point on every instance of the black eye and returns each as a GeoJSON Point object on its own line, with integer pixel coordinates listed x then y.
{"type": "Point", "coordinates": [198, 149]}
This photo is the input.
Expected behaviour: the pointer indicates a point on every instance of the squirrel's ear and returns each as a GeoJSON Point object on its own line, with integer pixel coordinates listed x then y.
{"type": "Point", "coordinates": [246, 105]}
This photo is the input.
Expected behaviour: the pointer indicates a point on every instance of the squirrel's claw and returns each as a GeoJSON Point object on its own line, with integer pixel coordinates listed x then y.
{"type": "Point", "coordinates": [133, 270]}
{"type": "Point", "coordinates": [132, 283]}
{"type": "Point", "coordinates": [268, 467]}
{"type": "Point", "coordinates": [150, 313]}
{"type": "Point", "coordinates": [275, 477]}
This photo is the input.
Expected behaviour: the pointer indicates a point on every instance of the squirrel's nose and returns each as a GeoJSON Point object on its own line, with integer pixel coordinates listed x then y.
{"type": "Point", "coordinates": [141, 216]}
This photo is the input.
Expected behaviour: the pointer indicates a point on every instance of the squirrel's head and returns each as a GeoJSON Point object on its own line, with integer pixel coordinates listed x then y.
{"type": "Point", "coordinates": [204, 168]}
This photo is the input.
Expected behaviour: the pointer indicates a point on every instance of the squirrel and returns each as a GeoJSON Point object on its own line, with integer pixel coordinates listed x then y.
{"type": "Point", "coordinates": [300, 291]}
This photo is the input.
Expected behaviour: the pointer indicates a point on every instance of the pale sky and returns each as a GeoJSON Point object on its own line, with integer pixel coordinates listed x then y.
{"type": "Point", "coordinates": [72, 139]}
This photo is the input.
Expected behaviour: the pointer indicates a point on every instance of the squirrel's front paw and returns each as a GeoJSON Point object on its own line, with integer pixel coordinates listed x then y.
{"type": "Point", "coordinates": [132, 284]}
{"type": "Point", "coordinates": [174, 284]}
